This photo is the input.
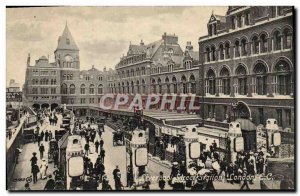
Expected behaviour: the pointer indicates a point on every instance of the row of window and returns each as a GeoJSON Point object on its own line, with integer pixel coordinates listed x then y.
{"type": "Point", "coordinates": [281, 80]}
{"type": "Point", "coordinates": [133, 59]}
{"type": "Point", "coordinates": [43, 81]}
{"type": "Point", "coordinates": [88, 77]}
{"type": "Point", "coordinates": [132, 72]}
{"type": "Point", "coordinates": [43, 73]}
{"type": "Point", "coordinates": [257, 45]}
{"type": "Point", "coordinates": [72, 89]}
{"type": "Point", "coordinates": [35, 91]}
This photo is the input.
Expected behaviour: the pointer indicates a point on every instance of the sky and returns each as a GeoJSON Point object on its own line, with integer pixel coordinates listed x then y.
{"type": "Point", "coordinates": [102, 34]}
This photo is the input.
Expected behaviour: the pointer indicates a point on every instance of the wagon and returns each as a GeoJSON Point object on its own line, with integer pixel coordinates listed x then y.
{"type": "Point", "coordinates": [118, 138]}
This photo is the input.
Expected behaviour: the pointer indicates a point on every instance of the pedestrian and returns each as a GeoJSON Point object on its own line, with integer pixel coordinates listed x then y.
{"type": "Point", "coordinates": [50, 135]}
{"type": "Point", "coordinates": [50, 184]}
{"type": "Point", "coordinates": [102, 154]}
{"type": "Point", "coordinates": [33, 159]}
{"type": "Point", "coordinates": [161, 181]}
{"type": "Point", "coordinates": [55, 158]}
{"type": "Point", "coordinates": [97, 144]}
{"type": "Point", "coordinates": [17, 153]}
{"type": "Point", "coordinates": [118, 183]}
{"type": "Point", "coordinates": [100, 170]}
{"type": "Point", "coordinates": [86, 149]}
{"type": "Point", "coordinates": [116, 170]}
{"type": "Point", "coordinates": [43, 169]}
{"type": "Point", "coordinates": [35, 170]}
{"type": "Point", "coordinates": [42, 136]}
{"type": "Point", "coordinates": [129, 176]}
{"type": "Point", "coordinates": [101, 143]}
{"type": "Point", "coordinates": [46, 136]}
{"type": "Point", "coordinates": [42, 150]}
{"type": "Point", "coordinates": [105, 184]}
{"type": "Point", "coordinates": [87, 138]}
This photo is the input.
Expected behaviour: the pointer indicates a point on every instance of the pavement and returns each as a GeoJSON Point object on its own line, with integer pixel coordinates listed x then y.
{"type": "Point", "coordinates": [115, 155]}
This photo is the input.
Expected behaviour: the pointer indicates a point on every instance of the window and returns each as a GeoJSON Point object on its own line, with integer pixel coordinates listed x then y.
{"type": "Point", "coordinates": [213, 53]}
{"type": "Point", "coordinates": [184, 85]}
{"type": "Point", "coordinates": [193, 84]}
{"type": "Point", "coordinates": [255, 44]}
{"type": "Point", "coordinates": [82, 100]}
{"type": "Point", "coordinates": [239, 21]}
{"type": "Point", "coordinates": [227, 50]}
{"type": "Point", "coordinates": [92, 89]}
{"type": "Point", "coordinates": [207, 55]}
{"type": "Point", "coordinates": [264, 43]}
{"type": "Point", "coordinates": [237, 49]}
{"type": "Point", "coordinates": [233, 22]}
{"type": "Point", "coordinates": [92, 100]}
{"type": "Point", "coordinates": [221, 50]}
{"type": "Point", "coordinates": [53, 90]}
{"type": "Point", "coordinates": [82, 89]}
{"type": "Point", "coordinates": [241, 80]}
{"type": "Point", "coordinates": [244, 47]}
{"type": "Point", "coordinates": [261, 79]}
{"type": "Point", "coordinates": [174, 81]}
{"type": "Point", "coordinates": [247, 18]}
{"type": "Point", "coordinates": [64, 89]}
{"type": "Point", "coordinates": [72, 89]}
{"type": "Point", "coordinates": [282, 78]}
{"type": "Point", "coordinates": [276, 41]}
{"type": "Point", "coordinates": [210, 82]}
{"type": "Point", "coordinates": [100, 89]}
{"type": "Point", "coordinates": [225, 81]}
{"type": "Point", "coordinates": [287, 39]}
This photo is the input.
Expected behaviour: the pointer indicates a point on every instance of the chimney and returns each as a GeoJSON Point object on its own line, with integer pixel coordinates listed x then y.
{"type": "Point", "coordinates": [189, 46]}
{"type": "Point", "coordinates": [104, 69]}
{"type": "Point", "coordinates": [142, 43]}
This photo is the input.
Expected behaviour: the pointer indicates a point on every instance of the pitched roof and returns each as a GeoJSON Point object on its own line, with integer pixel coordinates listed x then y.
{"type": "Point", "coordinates": [66, 41]}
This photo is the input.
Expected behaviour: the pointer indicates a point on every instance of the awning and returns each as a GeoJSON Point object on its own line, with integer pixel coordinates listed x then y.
{"type": "Point", "coordinates": [63, 142]}
{"type": "Point", "coordinates": [246, 124]}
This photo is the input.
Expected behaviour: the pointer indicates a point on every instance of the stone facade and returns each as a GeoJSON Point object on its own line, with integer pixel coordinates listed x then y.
{"type": "Point", "coordinates": [247, 65]}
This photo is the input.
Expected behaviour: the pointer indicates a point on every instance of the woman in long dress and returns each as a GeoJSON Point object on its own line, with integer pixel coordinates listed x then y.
{"type": "Point", "coordinates": [43, 169]}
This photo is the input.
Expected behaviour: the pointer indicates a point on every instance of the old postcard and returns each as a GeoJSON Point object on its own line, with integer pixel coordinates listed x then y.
{"type": "Point", "coordinates": [150, 98]}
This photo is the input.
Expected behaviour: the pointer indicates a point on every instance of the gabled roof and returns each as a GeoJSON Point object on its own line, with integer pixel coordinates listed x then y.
{"type": "Point", "coordinates": [66, 41]}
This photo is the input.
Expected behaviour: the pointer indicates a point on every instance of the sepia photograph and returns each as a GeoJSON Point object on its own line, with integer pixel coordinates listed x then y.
{"type": "Point", "coordinates": [150, 98]}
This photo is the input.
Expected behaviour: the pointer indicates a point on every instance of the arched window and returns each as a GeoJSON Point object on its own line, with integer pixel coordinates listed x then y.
{"type": "Point", "coordinates": [261, 78]}
{"type": "Point", "coordinates": [207, 55]}
{"type": "Point", "coordinates": [244, 47]}
{"type": "Point", "coordinates": [225, 81]}
{"type": "Point", "coordinates": [264, 43]}
{"type": "Point", "coordinates": [287, 39]}
{"type": "Point", "coordinates": [227, 50]}
{"type": "Point", "coordinates": [213, 53]}
{"type": "Point", "coordinates": [168, 85]}
{"type": "Point", "coordinates": [82, 89]}
{"type": "Point", "coordinates": [72, 89]}
{"type": "Point", "coordinates": [64, 89]}
{"type": "Point", "coordinates": [282, 78]}
{"type": "Point", "coordinates": [210, 82]}
{"type": "Point", "coordinates": [193, 84]}
{"type": "Point", "coordinates": [241, 74]}
{"type": "Point", "coordinates": [276, 41]}
{"type": "Point", "coordinates": [237, 49]}
{"type": "Point", "coordinates": [159, 86]}
{"type": "Point", "coordinates": [92, 89]}
{"type": "Point", "coordinates": [143, 86]}
{"type": "Point", "coordinates": [184, 84]}
{"type": "Point", "coordinates": [128, 87]}
{"type": "Point", "coordinates": [174, 81]}
{"type": "Point", "coordinates": [153, 86]}
{"type": "Point", "coordinates": [138, 86]}
{"type": "Point", "coordinates": [100, 89]}
{"type": "Point", "coordinates": [132, 87]}
{"type": "Point", "coordinates": [255, 45]}
{"type": "Point", "coordinates": [221, 51]}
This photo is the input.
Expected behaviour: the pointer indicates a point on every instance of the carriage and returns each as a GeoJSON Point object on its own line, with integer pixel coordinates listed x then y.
{"type": "Point", "coordinates": [118, 138]}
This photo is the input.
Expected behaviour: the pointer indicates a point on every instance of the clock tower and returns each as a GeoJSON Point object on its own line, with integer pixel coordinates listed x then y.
{"type": "Point", "coordinates": [67, 52]}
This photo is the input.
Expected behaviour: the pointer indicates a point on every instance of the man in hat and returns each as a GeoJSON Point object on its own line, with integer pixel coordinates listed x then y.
{"type": "Point", "coordinates": [116, 170]}
{"type": "Point", "coordinates": [102, 154]}
{"type": "Point", "coordinates": [33, 159]}
{"type": "Point", "coordinates": [42, 150]}
{"type": "Point", "coordinates": [97, 144]}
{"type": "Point", "coordinates": [35, 170]}
{"type": "Point", "coordinates": [118, 183]}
